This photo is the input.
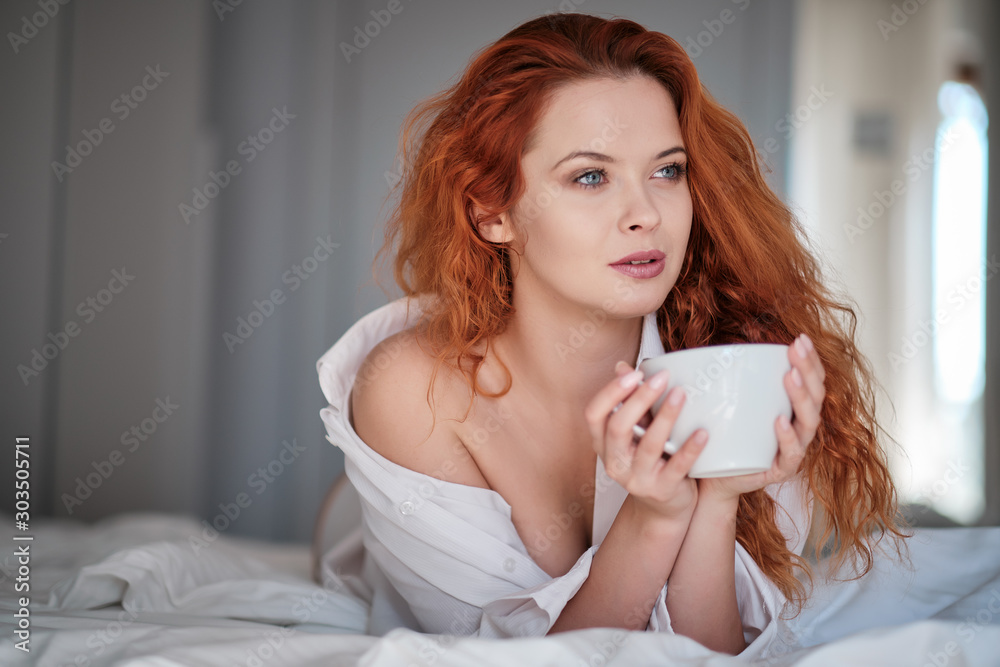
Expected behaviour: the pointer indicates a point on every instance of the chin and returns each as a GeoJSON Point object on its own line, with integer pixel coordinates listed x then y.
{"type": "Point", "coordinates": [621, 308]}
{"type": "Point", "coordinates": [636, 300]}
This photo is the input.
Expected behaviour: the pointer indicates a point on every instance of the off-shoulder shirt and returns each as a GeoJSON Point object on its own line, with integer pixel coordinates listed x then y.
{"type": "Point", "coordinates": [445, 558]}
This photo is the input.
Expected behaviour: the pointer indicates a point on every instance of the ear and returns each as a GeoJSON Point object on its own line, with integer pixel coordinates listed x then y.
{"type": "Point", "coordinates": [497, 229]}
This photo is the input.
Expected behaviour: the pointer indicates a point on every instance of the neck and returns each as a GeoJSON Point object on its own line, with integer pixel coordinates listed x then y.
{"type": "Point", "coordinates": [561, 356]}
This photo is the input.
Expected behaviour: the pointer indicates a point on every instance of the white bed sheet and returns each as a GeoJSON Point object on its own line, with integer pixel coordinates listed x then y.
{"type": "Point", "coordinates": [133, 590]}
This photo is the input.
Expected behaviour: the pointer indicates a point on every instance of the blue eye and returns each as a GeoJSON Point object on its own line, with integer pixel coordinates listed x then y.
{"type": "Point", "coordinates": [678, 171]}
{"type": "Point", "coordinates": [673, 172]}
{"type": "Point", "coordinates": [591, 184]}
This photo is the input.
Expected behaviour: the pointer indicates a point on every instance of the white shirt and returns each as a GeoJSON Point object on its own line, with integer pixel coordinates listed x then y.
{"type": "Point", "coordinates": [445, 558]}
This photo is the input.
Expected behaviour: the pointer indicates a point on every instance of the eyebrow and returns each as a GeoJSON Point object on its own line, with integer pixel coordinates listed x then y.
{"type": "Point", "coordinates": [607, 158]}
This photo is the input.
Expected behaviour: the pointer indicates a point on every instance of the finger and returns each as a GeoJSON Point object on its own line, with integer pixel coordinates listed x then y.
{"type": "Point", "coordinates": [650, 450]}
{"type": "Point", "coordinates": [621, 369]}
{"type": "Point", "coordinates": [609, 396]}
{"type": "Point", "coordinates": [634, 407]}
{"type": "Point", "coordinates": [791, 451]}
{"type": "Point", "coordinates": [679, 465]}
{"type": "Point", "coordinates": [805, 409]}
{"type": "Point", "coordinates": [621, 426]}
{"type": "Point", "coordinates": [604, 403]}
{"type": "Point", "coordinates": [803, 356]}
{"type": "Point", "coordinates": [645, 420]}
{"type": "Point", "coordinates": [814, 354]}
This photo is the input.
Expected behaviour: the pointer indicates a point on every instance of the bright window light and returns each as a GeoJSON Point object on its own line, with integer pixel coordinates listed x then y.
{"type": "Point", "coordinates": [959, 245]}
{"type": "Point", "coordinates": [959, 273]}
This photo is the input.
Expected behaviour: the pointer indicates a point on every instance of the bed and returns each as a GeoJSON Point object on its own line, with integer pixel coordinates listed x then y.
{"type": "Point", "coordinates": [165, 590]}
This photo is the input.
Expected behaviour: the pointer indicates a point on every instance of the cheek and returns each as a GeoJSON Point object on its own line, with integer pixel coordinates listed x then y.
{"type": "Point", "coordinates": [562, 233]}
{"type": "Point", "coordinates": [681, 219]}
{"type": "Point", "coordinates": [684, 230]}
{"type": "Point", "coordinates": [680, 224]}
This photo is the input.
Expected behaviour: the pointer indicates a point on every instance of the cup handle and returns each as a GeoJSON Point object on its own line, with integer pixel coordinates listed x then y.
{"type": "Point", "coordinates": [668, 447]}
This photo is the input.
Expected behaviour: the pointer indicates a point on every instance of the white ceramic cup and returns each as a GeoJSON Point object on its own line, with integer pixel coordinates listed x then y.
{"type": "Point", "coordinates": [736, 393]}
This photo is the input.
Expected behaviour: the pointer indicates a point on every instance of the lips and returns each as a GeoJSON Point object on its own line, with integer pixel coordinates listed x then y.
{"type": "Point", "coordinates": [644, 256]}
{"type": "Point", "coordinates": [648, 264]}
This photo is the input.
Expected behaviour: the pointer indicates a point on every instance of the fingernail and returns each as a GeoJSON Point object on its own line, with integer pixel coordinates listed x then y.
{"type": "Point", "coordinates": [659, 381]}
{"type": "Point", "coordinates": [784, 423]}
{"type": "Point", "coordinates": [796, 377]}
{"type": "Point", "coordinates": [701, 437]}
{"type": "Point", "coordinates": [808, 342]}
{"type": "Point", "coordinates": [800, 347]}
{"type": "Point", "coordinates": [620, 365]}
{"type": "Point", "coordinates": [676, 396]}
{"type": "Point", "coordinates": [630, 380]}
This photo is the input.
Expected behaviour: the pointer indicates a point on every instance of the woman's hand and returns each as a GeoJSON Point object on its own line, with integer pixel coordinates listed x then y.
{"type": "Point", "coordinates": [806, 389]}
{"type": "Point", "coordinates": [636, 557]}
{"type": "Point", "coordinates": [656, 484]}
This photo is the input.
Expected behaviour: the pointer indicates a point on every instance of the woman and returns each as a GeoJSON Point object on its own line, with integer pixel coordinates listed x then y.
{"type": "Point", "coordinates": [577, 199]}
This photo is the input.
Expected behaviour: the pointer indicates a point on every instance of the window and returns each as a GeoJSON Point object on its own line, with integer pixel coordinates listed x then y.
{"type": "Point", "coordinates": [959, 273]}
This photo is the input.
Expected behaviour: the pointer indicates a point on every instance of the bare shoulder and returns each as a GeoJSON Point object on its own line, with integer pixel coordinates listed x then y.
{"type": "Point", "coordinates": [389, 411]}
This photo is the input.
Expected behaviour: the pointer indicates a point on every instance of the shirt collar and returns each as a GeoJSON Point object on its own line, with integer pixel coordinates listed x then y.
{"type": "Point", "coordinates": [650, 345]}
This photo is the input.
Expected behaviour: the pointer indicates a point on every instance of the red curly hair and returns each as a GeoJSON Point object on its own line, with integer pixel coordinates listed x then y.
{"type": "Point", "coordinates": [747, 275]}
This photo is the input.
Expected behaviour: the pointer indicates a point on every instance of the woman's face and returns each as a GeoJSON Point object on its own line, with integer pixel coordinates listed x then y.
{"type": "Point", "coordinates": [606, 178]}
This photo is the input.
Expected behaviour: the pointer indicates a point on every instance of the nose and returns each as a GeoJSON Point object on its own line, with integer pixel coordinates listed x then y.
{"type": "Point", "coordinates": [638, 209]}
